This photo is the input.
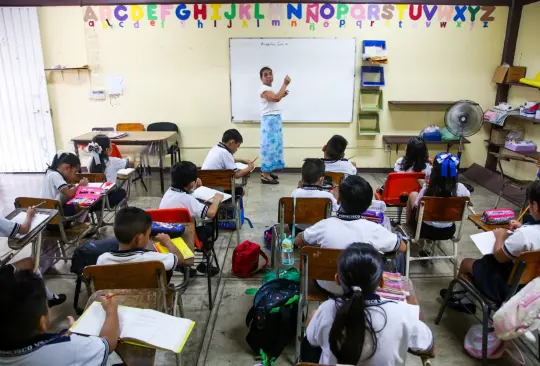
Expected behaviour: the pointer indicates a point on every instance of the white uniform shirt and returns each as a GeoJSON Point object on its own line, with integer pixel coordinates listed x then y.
{"type": "Point", "coordinates": [59, 349]}
{"type": "Point", "coordinates": [400, 330]}
{"type": "Point", "coordinates": [219, 157]}
{"type": "Point", "coordinates": [52, 185]}
{"type": "Point", "coordinates": [8, 228]}
{"type": "Point", "coordinates": [307, 192]}
{"type": "Point", "coordinates": [267, 107]}
{"type": "Point", "coordinates": [524, 239]}
{"type": "Point", "coordinates": [461, 191]}
{"type": "Point", "coordinates": [113, 166]}
{"type": "Point", "coordinates": [336, 233]}
{"type": "Point", "coordinates": [175, 198]}
{"type": "Point", "coordinates": [398, 167]}
{"type": "Point", "coordinates": [169, 260]}
{"type": "Point", "coordinates": [340, 166]}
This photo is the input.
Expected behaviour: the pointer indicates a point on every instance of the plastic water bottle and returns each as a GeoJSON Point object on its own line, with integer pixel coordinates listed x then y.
{"type": "Point", "coordinates": [287, 254]}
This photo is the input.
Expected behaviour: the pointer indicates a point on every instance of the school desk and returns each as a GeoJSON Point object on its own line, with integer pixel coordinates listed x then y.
{"type": "Point", "coordinates": [157, 141]}
{"type": "Point", "coordinates": [34, 236]}
{"type": "Point", "coordinates": [476, 219]}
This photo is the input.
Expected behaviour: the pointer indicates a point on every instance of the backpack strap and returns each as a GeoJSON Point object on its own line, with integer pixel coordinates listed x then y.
{"type": "Point", "coordinates": [262, 254]}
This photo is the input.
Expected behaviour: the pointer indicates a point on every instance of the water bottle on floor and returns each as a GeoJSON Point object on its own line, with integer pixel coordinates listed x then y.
{"type": "Point", "coordinates": [287, 253]}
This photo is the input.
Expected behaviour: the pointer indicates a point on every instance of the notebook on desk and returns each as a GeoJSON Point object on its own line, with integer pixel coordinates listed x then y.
{"type": "Point", "coordinates": [86, 196]}
{"type": "Point", "coordinates": [36, 221]}
{"type": "Point", "coordinates": [105, 185]}
{"type": "Point", "coordinates": [206, 194]}
{"type": "Point", "coordinates": [242, 166]}
{"type": "Point", "coordinates": [180, 244]}
{"type": "Point", "coordinates": [143, 327]}
{"type": "Point", "coordinates": [117, 135]}
{"type": "Point", "coordinates": [484, 242]}
{"type": "Point", "coordinates": [124, 173]}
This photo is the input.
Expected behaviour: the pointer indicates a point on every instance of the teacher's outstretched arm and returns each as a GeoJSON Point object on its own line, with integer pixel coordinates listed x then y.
{"type": "Point", "coordinates": [282, 93]}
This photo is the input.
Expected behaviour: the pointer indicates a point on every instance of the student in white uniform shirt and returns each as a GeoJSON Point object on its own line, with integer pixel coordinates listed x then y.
{"type": "Point", "coordinates": [26, 337]}
{"type": "Point", "coordinates": [334, 156]}
{"type": "Point", "coordinates": [416, 158]}
{"type": "Point", "coordinates": [348, 226]}
{"type": "Point", "coordinates": [220, 157]}
{"type": "Point", "coordinates": [360, 328]}
{"type": "Point", "coordinates": [311, 183]}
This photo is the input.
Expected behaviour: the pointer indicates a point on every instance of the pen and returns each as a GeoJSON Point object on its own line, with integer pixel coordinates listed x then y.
{"type": "Point", "coordinates": [110, 296]}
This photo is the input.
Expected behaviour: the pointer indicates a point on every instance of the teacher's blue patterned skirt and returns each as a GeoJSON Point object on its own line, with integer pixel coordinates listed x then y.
{"type": "Point", "coordinates": [271, 143]}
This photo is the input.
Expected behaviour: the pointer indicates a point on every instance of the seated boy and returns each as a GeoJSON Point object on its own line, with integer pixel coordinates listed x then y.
{"type": "Point", "coordinates": [334, 156]}
{"type": "Point", "coordinates": [348, 226]}
{"type": "Point", "coordinates": [311, 183]}
{"type": "Point", "coordinates": [221, 156]}
{"type": "Point", "coordinates": [490, 274]}
{"type": "Point", "coordinates": [132, 227]}
{"type": "Point", "coordinates": [26, 339]}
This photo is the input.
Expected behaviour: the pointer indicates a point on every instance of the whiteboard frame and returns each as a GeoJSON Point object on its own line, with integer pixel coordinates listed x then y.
{"type": "Point", "coordinates": [292, 121]}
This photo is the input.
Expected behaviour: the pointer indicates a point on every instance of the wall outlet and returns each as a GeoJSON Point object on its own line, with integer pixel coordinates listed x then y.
{"type": "Point", "coordinates": [96, 94]}
{"type": "Point", "coordinates": [387, 148]}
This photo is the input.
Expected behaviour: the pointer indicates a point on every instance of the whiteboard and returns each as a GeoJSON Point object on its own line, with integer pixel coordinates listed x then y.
{"type": "Point", "coordinates": [322, 71]}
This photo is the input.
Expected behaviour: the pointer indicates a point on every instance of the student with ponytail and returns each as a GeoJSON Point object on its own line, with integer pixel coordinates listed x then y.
{"type": "Point", "coordinates": [360, 328]}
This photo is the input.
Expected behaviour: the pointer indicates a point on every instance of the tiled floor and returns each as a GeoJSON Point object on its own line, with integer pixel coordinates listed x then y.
{"type": "Point", "coordinates": [219, 336]}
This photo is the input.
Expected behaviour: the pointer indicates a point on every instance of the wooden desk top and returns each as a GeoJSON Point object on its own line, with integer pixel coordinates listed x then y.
{"type": "Point", "coordinates": [477, 220]}
{"type": "Point", "coordinates": [525, 156]}
{"type": "Point", "coordinates": [403, 140]}
{"type": "Point", "coordinates": [133, 138]}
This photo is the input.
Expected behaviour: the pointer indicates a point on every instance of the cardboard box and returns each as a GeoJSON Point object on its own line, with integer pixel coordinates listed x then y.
{"type": "Point", "coordinates": [499, 136]}
{"type": "Point", "coordinates": [510, 74]}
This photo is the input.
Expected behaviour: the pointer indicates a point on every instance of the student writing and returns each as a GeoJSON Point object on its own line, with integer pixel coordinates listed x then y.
{"type": "Point", "coordinates": [220, 157]}
{"type": "Point", "coordinates": [334, 156]}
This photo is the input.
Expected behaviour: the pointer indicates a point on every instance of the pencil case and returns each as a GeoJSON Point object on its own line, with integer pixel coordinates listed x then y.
{"type": "Point", "coordinates": [498, 216]}
{"type": "Point", "coordinates": [171, 229]}
{"type": "Point", "coordinates": [374, 216]}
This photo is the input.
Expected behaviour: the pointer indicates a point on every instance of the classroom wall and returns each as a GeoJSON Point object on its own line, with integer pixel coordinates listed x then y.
{"type": "Point", "coordinates": [179, 72]}
{"type": "Point", "coordinates": [527, 54]}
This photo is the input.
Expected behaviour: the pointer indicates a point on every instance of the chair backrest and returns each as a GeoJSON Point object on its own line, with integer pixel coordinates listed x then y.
{"type": "Point", "coordinates": [531, 269]}
{"type": "Point", "coordinates": [129, 127]}
{"type": "Point", "coordinates": [449, 209]}
{"type": "Point", "coordinates": [102, 129]}
{"type": "Point", "coordinates": [92, 177]}
{"type": "Point", "coordinates": [25, 202]}
{"type": "Point", "coordinates": [217, 179]}
{"type": "Point", "coordinates": [322, 262]}
{"type": "Point", "coordinates": [401, 184]}
{"type": "Point", "coordinates": [126, 275]}
{"type": "Point", "coordinates": [162, 126]}
{"type": "Point", "coordinates": [336, 177]}
{"type": "Point", "coordinates": [115, 153]}
{"type": "Point", "coordinates": [178, 216]}
{"type": "Point", "coordinates": [308, 210]}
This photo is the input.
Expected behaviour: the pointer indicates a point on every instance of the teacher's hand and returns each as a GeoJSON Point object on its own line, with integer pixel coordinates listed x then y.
{"type": "Point", "coordinates": [286, 93]}
{"type": "Point", "coordinates": [287, 80]}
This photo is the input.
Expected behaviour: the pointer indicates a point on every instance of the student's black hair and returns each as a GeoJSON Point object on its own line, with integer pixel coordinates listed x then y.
{"type": "Point", "coordinates": [182, 174]}
{"type": "Point", "coordinates": [105, 142]}
{"type": "Point", "coordinates": [355, 194]}
{"type": "Point", "coordinates": [65, 158]}
{"type": "Point", "coordinates": [23, 301]}
{"type": "Point", "coordinates": [263, 70]}
{"type": "Point", "coordinates": [440, 186]}
{"type": "Point", "coordinates": [130, 222]}
{"type": "Point", "coordinates": [533, 192]}
{"type": "Point", "coordinates": [232, 134]}
{"type": "Point", "coordinates": [360, 268]}
{"type": "Point", "coordinates": [312, 170]}
{"type": "Point", "coordinates": [416, 155]}
{"type": "Point", "coordinates": [335, 147]}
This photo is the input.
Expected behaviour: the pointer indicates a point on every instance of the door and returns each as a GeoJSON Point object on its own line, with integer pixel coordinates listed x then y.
{"type": "Point", "coordinates": [26, 131]}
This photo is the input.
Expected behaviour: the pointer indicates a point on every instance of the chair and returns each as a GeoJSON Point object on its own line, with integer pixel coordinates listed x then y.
{"type": "Point", "coordinates": [174, 149]}
{"type": "Point", "coordinates": [223, 180]}
{"type": "Point", "coordinates": [526, 268]}
{"type": "Point", "coordinates": [397, 189]}
{"type": "Point", "coordinates": [142, 153]}
{"type": "Point", "coordinates": [335, 177]}
{"type": "Point", "coordinates": [308, 211]}
{"type": "Point", "coordinates": [445, 209]}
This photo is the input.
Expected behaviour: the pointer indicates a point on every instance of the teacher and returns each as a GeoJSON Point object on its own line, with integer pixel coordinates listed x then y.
{"type": "Point", "coordinates": [271, 130]}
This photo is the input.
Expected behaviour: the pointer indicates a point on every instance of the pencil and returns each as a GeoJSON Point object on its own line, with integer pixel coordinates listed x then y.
{"type": "Point", "coordinates": [114, 294]}
{"type": "Point", "coordinates": [208, 200]}
{"type": "Point", "coordinates": [254, 160]}
{"type": "Point", "coordinates": [522, 214]}
{"type": "Point", "coordinates": [42, 202]}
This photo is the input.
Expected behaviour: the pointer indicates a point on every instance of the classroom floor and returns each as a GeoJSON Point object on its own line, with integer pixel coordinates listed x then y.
{"type": "Point", "coordinates": [219, 336]}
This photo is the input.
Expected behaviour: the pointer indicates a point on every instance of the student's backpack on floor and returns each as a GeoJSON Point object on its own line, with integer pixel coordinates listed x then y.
{"type": "Point", "coordinates": [272, 319]}
{"type": "Point", "coordinates": [245, 260]}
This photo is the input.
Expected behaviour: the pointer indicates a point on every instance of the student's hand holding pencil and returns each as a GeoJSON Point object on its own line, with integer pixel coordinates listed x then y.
{"type": "Point", "coordinates": [109, 304]}
{"type": "Point", "coordinates": [514, 225]}
{"type": "Point", "coordinates": [218, 197]}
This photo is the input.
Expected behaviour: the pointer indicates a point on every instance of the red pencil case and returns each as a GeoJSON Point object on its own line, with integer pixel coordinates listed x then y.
{"type": "Point", "coordinates": [498, 216]}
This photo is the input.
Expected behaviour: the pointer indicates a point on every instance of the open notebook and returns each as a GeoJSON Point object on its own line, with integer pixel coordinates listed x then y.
{"type": "Point", "coordinates": [142, 327]}
{"type": "Point", "coordinates": [36, 221]}
{"type": "Point", "coordinates": [206, 194]}
{"type": "Point", "coordinates": [106, 185]}
{"type": "Point", "coordinates": [242, 166]}
{"type": "Point", "coordinates": [484, 242]}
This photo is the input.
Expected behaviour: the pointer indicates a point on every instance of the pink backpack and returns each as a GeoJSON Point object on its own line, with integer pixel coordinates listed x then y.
{"type": "Point", "coordinates": [473, 343]}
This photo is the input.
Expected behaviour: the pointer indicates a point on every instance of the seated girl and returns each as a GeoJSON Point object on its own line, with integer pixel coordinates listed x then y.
{"type": "Point", "coordinates": [360, 328]}
{"type": "Point", "coordinates": [443, 183]}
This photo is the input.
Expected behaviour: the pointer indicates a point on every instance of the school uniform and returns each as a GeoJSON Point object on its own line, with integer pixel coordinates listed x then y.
{"type": "Point", "coordinates": [438, 230]}
{"type": "Point", "coordinates": [341, 231]}
{"type": "Point", "coordinates": [137, 255]}
{"type": "Point", "coordinates": [9, 228]}
{"type": "Point", "coordinates": [490, 276]}
{"type": "Point", "coordinates": [339, 166]}
{"type": "Point", "coordinates": [58, 349]}
{"type": "Point", "coordinates": [398, 167]}
{"type": "Point", "coordinates": [178, 198]}
{"type": "Point", "coordinates": [397, 325]}
{"type": "Point", "coordinates": [219, 157]}
{"type": "Point", "coordinates": [51, 189]}
{"type": "Point", "coordinates": [112, 166]}
{"type": "Point", "coordinates": [315, 191]}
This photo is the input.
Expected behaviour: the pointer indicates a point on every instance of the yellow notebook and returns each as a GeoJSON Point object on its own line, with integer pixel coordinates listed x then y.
{"type": "Point", "coordinates": [180, 244]}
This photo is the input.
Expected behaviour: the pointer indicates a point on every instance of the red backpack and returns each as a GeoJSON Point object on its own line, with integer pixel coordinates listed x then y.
{"type": "Point", "coordinates": [245, 260]}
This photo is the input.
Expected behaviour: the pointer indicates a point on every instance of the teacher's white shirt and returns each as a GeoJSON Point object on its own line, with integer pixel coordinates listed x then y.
{"type": "Point", "coordinates": [267, 107]}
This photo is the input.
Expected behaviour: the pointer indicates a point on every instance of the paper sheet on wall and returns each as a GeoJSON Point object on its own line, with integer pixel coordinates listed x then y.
{"type": "Point", "coordinates": [115, 84]}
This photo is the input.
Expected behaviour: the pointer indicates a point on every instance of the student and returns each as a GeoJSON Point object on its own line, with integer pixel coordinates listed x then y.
{"type": "Point", "coordinates": [220, 157]}
{"type": "Point", "coordinates": [490, 274]}
{"type": "Point", "coordinates": [416, 158]}
{"type": "Point", "coordinates": [26, 337]}
{"type": "Point", "coordinates": [59, 174]}
{"type": "Point", "coordinates": [184, 181]}
{"type": "Point", "coordinates": [360, 328]}
{"type": "Point", "coordinates": [100, 148]}
{"type": "Point", "coordinates": [132, 227]}
{"type": "Point", "coordinates": [311, 183]}
{"type": "Point", "coordinates": [348, 226]}
{"type": "Point", "coordinates": [334, 156]}
{"type": "Point", "coordinates": [443, 183]}
{"type": "Point", "coordinates": [10, 228]}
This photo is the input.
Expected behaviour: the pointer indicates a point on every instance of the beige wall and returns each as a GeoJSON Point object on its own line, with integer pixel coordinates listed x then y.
{"type": "Point", "coordinates": [182, 75]}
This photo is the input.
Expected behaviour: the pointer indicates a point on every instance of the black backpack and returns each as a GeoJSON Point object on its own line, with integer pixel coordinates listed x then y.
{"type": "Point", "coordinates": [272, 319]}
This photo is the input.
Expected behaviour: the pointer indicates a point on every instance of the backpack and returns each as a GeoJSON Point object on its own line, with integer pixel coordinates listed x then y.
{"type": "Point", "coordinates": [473, 343]}
{"type": "Point", "coordinates": [272, 318]}
{"type": "Point", "coordinates": [87, 254]}
{"type": "Point", "coordinates": [245, 260]}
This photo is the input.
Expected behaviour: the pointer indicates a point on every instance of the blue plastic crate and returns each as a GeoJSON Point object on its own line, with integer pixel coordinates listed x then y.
{"type": "Point", "coordinates": [372, 70]}
{"type": "Point", "coordinates": [373, 43]}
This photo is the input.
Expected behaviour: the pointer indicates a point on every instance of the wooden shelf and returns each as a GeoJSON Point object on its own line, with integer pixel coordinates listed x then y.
{"type": "Point", "coordinates": [493, 144]}
{"type": "Point", "coordinates": [520, 84]}
{"type": "Point", "coordinates": [420, 103]}
{"type": "Point", "coordinates": [521, 118]}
